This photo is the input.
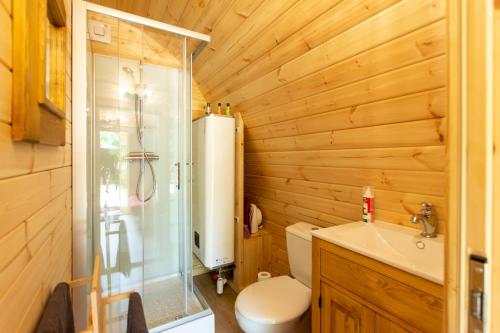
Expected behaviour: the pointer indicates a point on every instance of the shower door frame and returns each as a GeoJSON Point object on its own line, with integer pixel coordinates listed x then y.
{"type": "Point", "coordinates": [80, 176]}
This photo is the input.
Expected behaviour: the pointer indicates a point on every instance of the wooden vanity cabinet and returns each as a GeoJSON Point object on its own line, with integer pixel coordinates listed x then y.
{"type": "Point", "coordinates": [341, 313]}
{"type": "Point", "coordinates": [356, 294]}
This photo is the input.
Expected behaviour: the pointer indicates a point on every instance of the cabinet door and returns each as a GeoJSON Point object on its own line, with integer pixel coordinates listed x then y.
{"type": "Point", "coordinates": [342, 314]}
{"type": "Point", "coordinates": [384, 325]}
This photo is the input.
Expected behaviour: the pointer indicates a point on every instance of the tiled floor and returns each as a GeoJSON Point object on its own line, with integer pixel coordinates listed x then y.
{"type": "Point", "coordinates": [221, 305]}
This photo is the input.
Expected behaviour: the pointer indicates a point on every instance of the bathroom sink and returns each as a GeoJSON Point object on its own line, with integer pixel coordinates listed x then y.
{"type": "Point", "coordinates": [395, 245]}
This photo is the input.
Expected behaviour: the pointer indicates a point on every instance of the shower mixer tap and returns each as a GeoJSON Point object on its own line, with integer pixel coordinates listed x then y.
{"type": "Point", "coordinates": [142, 156]}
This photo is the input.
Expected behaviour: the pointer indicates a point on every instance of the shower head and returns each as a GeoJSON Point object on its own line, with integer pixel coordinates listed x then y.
{"type": "Point", "coordinates": [135, 84]}
{"type": "Point", "coordinates": [129, 71]}
{"type": "Point", "coordinates": [140, 90]}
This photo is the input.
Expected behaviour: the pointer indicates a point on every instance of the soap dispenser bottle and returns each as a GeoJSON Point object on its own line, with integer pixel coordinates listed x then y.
{"type": "Point", "coordinates": [368, 208]}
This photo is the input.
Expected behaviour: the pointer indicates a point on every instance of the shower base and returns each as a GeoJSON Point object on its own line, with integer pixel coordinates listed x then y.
{"type": "Point", "coordinates": [163, 306]}
{"type": "Point", "coordinates": [163, 302]}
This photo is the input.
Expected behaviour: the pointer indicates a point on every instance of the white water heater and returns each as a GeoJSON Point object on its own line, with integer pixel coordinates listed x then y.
{"type": "Point", "coordinates": [213, 189]}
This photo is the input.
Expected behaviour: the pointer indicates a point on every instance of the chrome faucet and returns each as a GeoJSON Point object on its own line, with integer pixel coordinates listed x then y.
{"type": "Point", "coordinates": [426, 217]}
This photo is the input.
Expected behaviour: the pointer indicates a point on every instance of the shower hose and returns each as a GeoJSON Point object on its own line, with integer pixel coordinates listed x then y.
{"type": "Point", "coordinates": [139, 121]}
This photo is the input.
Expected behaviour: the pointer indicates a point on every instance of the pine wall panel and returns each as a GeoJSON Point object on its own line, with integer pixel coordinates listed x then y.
{"type": "Point", "coordinates": [35, 205]}
{"type": "Point", "coordinates": [351, 93]}
{"type": "Point", "coordinates": [335, 95]}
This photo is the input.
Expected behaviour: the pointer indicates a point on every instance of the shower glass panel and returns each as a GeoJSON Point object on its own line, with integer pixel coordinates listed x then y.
{"type": "Point", "coordinates": [139, 128]}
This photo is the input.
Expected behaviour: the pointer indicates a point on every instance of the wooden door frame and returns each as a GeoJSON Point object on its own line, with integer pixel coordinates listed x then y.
{"type": "Point", "coordinates": [472, 164]}
{"type": "Point", "coordinates": [452, 240]}
{"type": "Point", "coordinates": [495, 294]}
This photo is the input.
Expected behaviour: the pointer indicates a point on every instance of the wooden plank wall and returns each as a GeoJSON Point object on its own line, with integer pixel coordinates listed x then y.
{"type": "Point", "coordinates": [35, 204]}
{"type": "Point", "coordinates": [334, 96]}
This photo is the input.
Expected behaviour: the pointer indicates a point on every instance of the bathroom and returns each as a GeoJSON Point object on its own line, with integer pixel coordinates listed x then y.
{"type": "Point", "coordinates": [249, 166]}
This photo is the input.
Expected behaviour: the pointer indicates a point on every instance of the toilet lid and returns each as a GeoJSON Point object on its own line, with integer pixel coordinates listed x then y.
{"type": "Point", "coordinates": [274, 300]}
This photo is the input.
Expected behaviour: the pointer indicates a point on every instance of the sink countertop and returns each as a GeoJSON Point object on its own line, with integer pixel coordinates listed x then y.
{"type": "Point", "coordinates": [392, 244]}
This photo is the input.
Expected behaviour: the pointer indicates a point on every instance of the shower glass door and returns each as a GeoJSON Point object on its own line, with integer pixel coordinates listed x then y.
{"type": "Point", "coordinates": [139, 121]}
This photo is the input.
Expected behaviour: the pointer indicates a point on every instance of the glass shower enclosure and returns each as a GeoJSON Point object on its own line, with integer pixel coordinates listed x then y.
{"type": "Point", "coordinates": [138, 167]}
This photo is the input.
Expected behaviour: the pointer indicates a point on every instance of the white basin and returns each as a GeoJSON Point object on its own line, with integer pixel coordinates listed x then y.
{"type": "Point", "coordinates": [395, 245]}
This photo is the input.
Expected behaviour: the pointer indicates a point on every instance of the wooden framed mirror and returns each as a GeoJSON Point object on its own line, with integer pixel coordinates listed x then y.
{"type": "Point", "coordinates": [39, 71]}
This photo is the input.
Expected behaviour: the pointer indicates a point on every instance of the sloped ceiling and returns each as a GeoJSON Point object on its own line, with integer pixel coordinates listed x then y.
{"type": "Point", "coordinates": [234, 25]}
{"type": "Point", "coordinates": [245, 34]}
{"type": "Point", "coordinates": [161, 10]}
{"type": "Point", "coordinates": [196, 15]}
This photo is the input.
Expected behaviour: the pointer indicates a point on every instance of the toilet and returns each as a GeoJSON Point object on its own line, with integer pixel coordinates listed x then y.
{"type": "Point", "coordinates": [281, 304]}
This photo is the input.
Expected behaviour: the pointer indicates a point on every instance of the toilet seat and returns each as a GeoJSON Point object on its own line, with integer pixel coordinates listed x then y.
{"type": "Point", "coordinates": [273, 301]}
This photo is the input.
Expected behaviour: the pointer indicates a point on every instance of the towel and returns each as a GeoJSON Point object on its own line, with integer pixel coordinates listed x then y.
{"type": "Point", "coordinates": [57, 316]}
{"type": "Point", "coordinates": [136, 322]}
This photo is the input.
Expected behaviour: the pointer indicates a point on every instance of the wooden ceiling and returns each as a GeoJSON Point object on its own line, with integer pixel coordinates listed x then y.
{"type": "Point", "coordinates": [161, 10]}
{"type": "Point", "coordinates": [196, 15]}
{"type": "Point", "coordinates": [241, 31]}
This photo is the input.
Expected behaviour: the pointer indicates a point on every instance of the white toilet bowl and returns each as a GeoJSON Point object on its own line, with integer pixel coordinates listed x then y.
{"type": "Point", "coordinates": [281, 304]}
{"type": "Point", "coordinates": [277, 305]}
